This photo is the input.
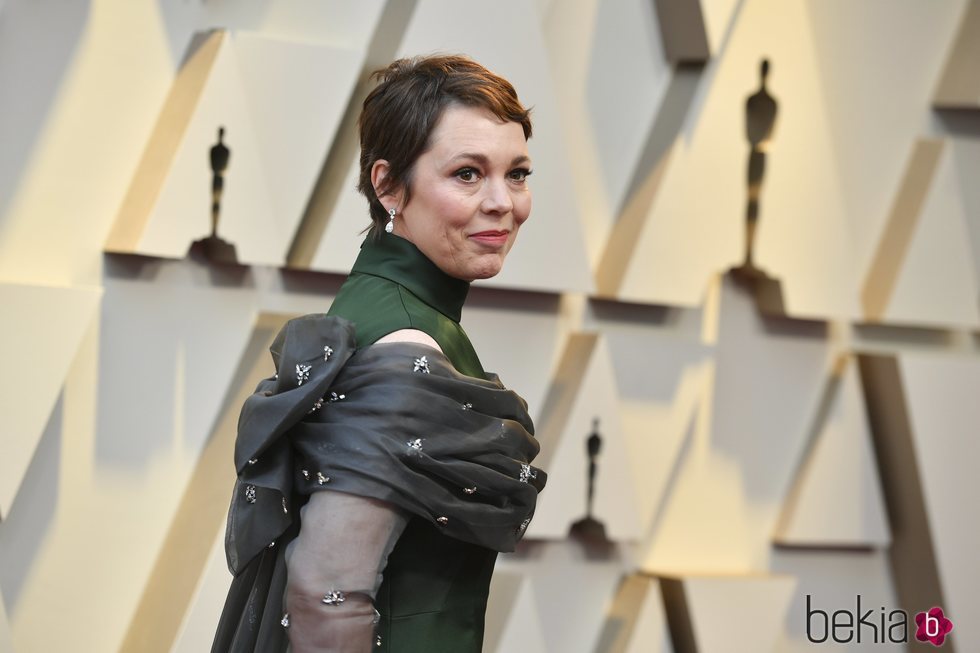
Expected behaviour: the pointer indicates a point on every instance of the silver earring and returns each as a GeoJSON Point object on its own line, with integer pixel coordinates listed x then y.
{"type": "Point", "coordinates": [391, 221]}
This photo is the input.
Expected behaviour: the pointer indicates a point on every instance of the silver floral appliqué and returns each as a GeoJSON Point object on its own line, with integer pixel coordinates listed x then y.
{"type": "Point", "coordinates": [327, 350]}
{"type": "Point", "coordinates": [334, 597]}
{"type": "Point", "coordinates": [527, 473]}
{"type": "Point", "coordinates": [302, 373]}
{"type": "Point", "coordinates": [250, 493]}
{"type": "Point", "coordinates": [415, 444]}
{"type": "Point", "coordinates": [421, 365]}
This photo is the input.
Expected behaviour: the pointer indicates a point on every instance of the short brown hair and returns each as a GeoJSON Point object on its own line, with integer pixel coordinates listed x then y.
{"type": "Point", "coordinates": [400, 113]}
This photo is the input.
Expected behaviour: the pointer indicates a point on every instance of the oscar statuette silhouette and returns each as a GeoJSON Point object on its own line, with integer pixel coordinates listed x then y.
{"type": "Point", "coordinates": [213, 247]}
{"type": "Point", "coordinates": [590, 531]}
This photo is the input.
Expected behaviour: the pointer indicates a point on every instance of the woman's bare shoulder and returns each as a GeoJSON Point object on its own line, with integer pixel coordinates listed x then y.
{"type": "Point", "coordinates": [410, 335]}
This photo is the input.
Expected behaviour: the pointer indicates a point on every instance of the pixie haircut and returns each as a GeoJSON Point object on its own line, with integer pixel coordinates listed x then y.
{"type": "Point", "coordinates": [400, 113]}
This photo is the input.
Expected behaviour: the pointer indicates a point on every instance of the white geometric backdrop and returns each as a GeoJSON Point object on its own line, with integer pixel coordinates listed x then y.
{"type": "Point", "coordinates": [749, 459]}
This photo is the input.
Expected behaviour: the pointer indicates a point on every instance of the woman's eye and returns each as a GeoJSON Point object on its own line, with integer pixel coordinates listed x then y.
{"type": "Point", "coordinates": [466, 174]}
{"type": "Point", "coordinates": [519, 174]}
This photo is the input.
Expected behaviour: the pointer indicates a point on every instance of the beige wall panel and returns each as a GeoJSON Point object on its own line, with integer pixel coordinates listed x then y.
{"type": "Point", "coordinates": [728, 491]}
{"type": "Point", "coordinates": [201, 620]}
{"type": "Point", "coordinates": [650, 635]}
{"type": "Point", "coordinates": [635, 621]}
{"type": "Point", "coordinates": [959, 86]}
{"type": "Point", "coordinates": [836, 500]}
{"type": "Point", "coordinates": [555, 227]}
{"type": "Point", "coordinates": [695, 223]}
{"type": "Point", "coordinates": [874, 116]}
{"type": "Point", "coordinates": [572, 589]}
{"type": "Point", "coordinates": [6, 640]}
{"type": "Point", "coordinates": [512, 597]}
{"type": "Point", "coordinates": [610, 76]}
{"type": "Point", "coordinates": [834, 580]}
{"type": "Point", "coordinates": [663, 375]}
{"type": "Point", "coordinates": [519, 337]}
{"type": "Point", "coordinates": [966, 154]}
{"type": "Point", "coordinates": [719, 17]}
{"type": "Point", "coordinates": [567, 463]}
{"type": "Point", "coordinates": [937, 283]}
{"type": "Point", "coordinates": [280, 104]}
{"type": "Point", "coordinates": [944, 412]}
{"type": "Point", "coordinates": [727, 614]}
{"type": "Point", "coordinates": [38, 341]}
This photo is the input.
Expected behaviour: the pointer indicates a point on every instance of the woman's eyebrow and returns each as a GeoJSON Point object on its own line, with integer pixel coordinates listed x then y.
{"type": "Point", "coordinates": [483, 160]}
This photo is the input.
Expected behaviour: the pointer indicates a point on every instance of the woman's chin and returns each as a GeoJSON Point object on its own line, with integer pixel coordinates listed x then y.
{"type": "Point", "coordinates": [485, 268]}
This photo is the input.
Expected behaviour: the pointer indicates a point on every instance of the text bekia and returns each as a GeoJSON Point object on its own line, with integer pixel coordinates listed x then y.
{"type": "Point", "coordinates": [843, 626]}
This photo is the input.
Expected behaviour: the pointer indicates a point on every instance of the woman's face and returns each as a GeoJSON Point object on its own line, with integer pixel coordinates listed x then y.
{"type": "Point", "coordinates": [469, 193]}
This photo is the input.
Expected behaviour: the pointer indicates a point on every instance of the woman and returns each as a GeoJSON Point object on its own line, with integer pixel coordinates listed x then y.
{"type": "Point", "coordinates": [410, 465]}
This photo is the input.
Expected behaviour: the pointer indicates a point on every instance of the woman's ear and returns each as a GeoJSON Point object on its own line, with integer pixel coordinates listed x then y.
{"type": "Point", "coordinates": [379, 176]}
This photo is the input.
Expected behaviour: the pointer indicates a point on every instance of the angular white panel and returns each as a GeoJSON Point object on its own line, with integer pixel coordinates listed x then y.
{"type": "Point", "coordinates": [837, 499]}
{"type": "Point", "coordinates": [833, 581]}
{"type": "Point", "coordinates": [767, 380]}
{"type": "Point", "coordinates": [937, 284]}
{"type": "Point", "coordinates": [512, 597]}
{"type": "Point", "coordinates": [43, 327]}
{"type": "Point", "coordinates": [610, 76]}
{"type": "Point", "coordinates": [635, 622]}
{"type": "Point", "coordinates": [517, 340]}
{"type": "Point", "coordinates": [873, 118]}
{"type": "Point", "coordinates": [719, 16]}
{"type": "Point", "coordinates": [564, 500]}
{"type": "Point", "coordinates": [573, 590]}
{"type": "Point", "coordinates": [650, 634]}
{"type": "Point", "coordinates": [941, 395]}
{"type": "Point", "coordinates": [201, 620]}
{"type": "Point", "coordinates": [555, 225]}
{"type": "Point", "coordinates": [733, 614]}
{"type": "Point", "coordinates": [959, 87]}
{"type": "Point", "coordinates": [280, 103]}
{"type": "Point", "coordinates": [6, 639]}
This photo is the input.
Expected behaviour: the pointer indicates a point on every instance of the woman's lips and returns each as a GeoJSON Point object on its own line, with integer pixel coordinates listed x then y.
{"type": "Point", "coordinates": [491, 237]}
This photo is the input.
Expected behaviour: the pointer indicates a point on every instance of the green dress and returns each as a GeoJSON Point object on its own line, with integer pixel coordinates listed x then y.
{"type": "Point", "coordinates": [343, 414]}
{"type": "Point", "coordinates": [434, 594]}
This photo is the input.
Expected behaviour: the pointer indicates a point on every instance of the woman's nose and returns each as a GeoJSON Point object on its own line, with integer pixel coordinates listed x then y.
{"type": "Point", "coordinates": [497, 197]}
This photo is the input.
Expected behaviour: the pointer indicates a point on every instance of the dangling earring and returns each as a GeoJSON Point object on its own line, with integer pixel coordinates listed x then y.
{"type": "Point", "coordinates": [391, 222]}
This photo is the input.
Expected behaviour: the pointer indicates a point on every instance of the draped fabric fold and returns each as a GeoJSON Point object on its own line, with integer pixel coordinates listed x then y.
{"type": "Point", "coordinates": [391, 421]}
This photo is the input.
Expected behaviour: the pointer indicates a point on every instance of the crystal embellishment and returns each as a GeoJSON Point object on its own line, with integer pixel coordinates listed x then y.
{"type": "Point", "coordinates": [334, 597]}
{"type": "Point", "coordinates": [442, 520]}
{"type": "Point", "coordinates": [469, 490]}
{"type": "Point", "coordinates": [252, 461]}
{"type": "Point", "coordinates": [527, 473]}
{"type": "Point", "coordinates": [284, 508]}
{"type": "Point", "coordinates": [415, 444]}
{"type": "Point", "coordinates": [250, 493]}
{"type": "Point", "coordinates": [306, 474]}
{"type": "Point", "coordinates": [377, 642]}
{"type": "Point", "coordinates": [327, 350]}
{"type": "Point", "coordinates": [317, 405]}
{"type": "Point", "coordinates": [467, 406]}
{"type": "Point", "coordinates": [302, 373]}
{"type": "Point", "coordinates": [321, 479]}
{"type": "Point", "coordinates": [285, 620]}
{"type": "Point", "coordinates": [336, 397]}
{"type": "Point", "coordinates": [421, 365]}
{"type": "Point", "coordinates": [523, 526]}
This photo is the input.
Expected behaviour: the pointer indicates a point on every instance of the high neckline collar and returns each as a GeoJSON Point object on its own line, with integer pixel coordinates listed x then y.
{"type": "Point", "coordinates": [396, 259]}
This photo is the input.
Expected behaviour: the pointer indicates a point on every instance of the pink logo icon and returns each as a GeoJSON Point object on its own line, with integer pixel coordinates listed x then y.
{"type": "Point", "coordinates": [933, 626]}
